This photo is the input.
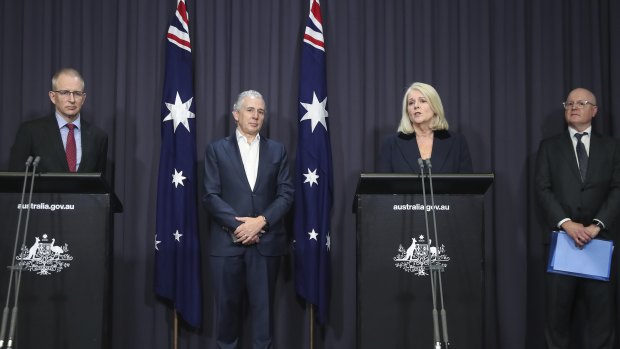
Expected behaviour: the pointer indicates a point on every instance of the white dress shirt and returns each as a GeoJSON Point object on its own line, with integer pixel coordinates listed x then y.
{"type": "Point", "coordinates": [249, 156]}
{"type": "Point", "coordinates": [585, 139]}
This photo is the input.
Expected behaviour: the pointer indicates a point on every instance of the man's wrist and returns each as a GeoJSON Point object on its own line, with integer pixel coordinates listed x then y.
{"type": "Point", "coordinates": [598, 223]}
{"type": "Point", "coordinates": [562, 222]}
{"type": "Point", "coordinates": [266, 226]}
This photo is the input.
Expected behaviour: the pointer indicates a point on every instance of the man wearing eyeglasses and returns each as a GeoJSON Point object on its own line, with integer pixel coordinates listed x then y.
{"type": "Point", "coordinates": [578, 188]}
{"type": "Point", "coordinates": [64, 142]}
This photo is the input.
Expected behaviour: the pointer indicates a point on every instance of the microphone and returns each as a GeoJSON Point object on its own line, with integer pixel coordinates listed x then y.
{"type": "Point", "coordinates": [444, 320]}
{"type": "Point", "coordinates": [14, 311]}
{"type": "Point", "coordinates": [5, 312]}
{"type": "Point", "coordinates": [436, 337]}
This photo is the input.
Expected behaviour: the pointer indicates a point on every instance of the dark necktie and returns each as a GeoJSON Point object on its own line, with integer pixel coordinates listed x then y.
{"type": "Point", "coordinates": [71, 149]}
{"type": "Point", "coordinates": [582, 155]}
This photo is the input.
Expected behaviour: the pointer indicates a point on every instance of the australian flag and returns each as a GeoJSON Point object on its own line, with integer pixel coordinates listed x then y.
{"type": "Point", "coordinates": [177, 248]}
{"type": "Point", "coordinates": [313, 181]}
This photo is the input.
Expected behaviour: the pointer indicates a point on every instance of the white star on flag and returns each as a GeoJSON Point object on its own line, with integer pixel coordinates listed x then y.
{"type": "Point", "coordinates": [177, 236]}
{"type": "Point", "coordinates": [313, 235]}
{"type": "Point", "coordinates": [179, 112]}
{"type": "Point", "coordinates": [316, 112]}
{"type": "Point", "coordinates": [157, 242]}
{"type": "Point", "coordinates": [311, 177]}
{"type": "Point", "coordinates": [177, 178]}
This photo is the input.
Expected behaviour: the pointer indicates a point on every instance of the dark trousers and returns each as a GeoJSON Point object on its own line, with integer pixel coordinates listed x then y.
{"type": "Point", "coordinates": [562, 293]}
{"type": "Point", "coordinates": [249, 274]}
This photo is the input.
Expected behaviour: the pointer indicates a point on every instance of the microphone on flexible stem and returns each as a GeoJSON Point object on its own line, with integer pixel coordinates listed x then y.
{"type": "Point", "coordinates": [431, 270]}
{"type": "Point", "coordinates": [5, 312]}
{"type": "Point", "coordinates": [444, 320]}
{"type": "Point", "coordinates": [35, 163]}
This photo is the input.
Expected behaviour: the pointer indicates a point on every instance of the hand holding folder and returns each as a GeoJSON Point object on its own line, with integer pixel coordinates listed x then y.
{"type": "Point", "coordinates": [593, 261]}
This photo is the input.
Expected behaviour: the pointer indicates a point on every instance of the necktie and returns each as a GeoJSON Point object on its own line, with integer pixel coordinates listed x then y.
{"type": "Point", "coordinates": [582, 155]}
{"type": "Point", "coordinates": [71, 149]}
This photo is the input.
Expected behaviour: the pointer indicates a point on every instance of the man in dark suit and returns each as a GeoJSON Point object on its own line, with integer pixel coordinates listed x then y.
{"type": "Point", "coordinates": [64, 142]}
{"type": "Point", "coordinates": [578, 188]}
{"type": "Point", "coordinates": [248, 190]}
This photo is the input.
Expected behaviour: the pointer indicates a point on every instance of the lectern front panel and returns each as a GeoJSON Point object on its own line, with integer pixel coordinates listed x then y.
{"type": "Point", "coordinates": [64, 292]}
{"type": "Point", "coordinates": [395, 302]}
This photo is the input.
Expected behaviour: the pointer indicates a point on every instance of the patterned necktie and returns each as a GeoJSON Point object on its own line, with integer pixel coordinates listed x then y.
{"type": "Point", "coordinates": [582, 155]}
{"type": "Point", "coordinates": [71, 148]}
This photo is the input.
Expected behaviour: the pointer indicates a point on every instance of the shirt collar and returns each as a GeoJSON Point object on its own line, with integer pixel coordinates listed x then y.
{"type": "Point", "coordinates": [242, 138]}
{"type": "Point", "coordinates": [62, 122]}
{"type": "Point", "coordinates": [572, 131]}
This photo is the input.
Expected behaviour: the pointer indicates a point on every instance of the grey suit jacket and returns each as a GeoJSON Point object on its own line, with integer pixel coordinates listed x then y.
{"type": "Point", "coordinates": [41, 137]}
{"type": "Point", "coordinates": [562, 194]}
{"type": "Point", "coordinates": [228, 195]}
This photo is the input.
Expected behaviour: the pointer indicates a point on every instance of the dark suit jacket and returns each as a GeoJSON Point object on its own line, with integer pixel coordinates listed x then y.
{"type": "Point", "coordinates": [400, 153]}
{"type": "Point", "coordinates": [228, 195]}
{"type": "Point", "coordinates": [561, 193]}
{"type": "Point", "coordinates": [41, 137]}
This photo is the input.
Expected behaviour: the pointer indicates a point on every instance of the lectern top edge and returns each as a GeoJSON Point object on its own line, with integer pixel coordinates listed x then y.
{"type": "Point", "coordinates": [410, 183]}
{"type": "Point", "coordinates": [84, 183]}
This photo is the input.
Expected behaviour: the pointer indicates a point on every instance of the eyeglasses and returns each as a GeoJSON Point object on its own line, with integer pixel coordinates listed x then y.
{"type": "Point", "coordinates": [67, 94]}
{"type": "Point", "coordinates": [577, 104]}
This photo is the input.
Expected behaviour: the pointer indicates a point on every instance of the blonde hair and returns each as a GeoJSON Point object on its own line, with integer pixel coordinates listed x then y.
{"type": "Point", "coordinates": [439, 121]}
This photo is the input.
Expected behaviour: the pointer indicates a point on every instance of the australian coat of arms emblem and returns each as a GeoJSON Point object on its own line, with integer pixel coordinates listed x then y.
{"type": "Point", "coordinates": [420, 256]}
{"type": "Point", "coordinates": [44, 256]}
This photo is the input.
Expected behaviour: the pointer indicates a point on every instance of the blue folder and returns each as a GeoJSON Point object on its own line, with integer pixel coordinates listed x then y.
{"type": "Point", "coordinates": [592, 262]}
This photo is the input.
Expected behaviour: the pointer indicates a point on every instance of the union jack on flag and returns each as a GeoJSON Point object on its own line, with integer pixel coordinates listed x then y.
{"type": "Point", "coordinates": [313, 178]}
{"type": "Point", "coordinates": [177, 248]}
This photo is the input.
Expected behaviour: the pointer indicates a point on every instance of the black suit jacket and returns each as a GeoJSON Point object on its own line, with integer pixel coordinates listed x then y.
{"type": "Point", "coordinates": [41, 137]}
{"type": "Point", "coordinates": [400, 153]}
{"type": "Point", "coordinates": [228, 195]}
{"type": "Point", "coordinates": [562, 194]}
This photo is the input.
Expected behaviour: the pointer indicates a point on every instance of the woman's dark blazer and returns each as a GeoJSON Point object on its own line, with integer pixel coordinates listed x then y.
{"type": "Point", "coordinates": [400, 153]}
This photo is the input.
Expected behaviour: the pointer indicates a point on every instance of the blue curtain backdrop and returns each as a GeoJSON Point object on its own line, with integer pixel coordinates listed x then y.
{"type": "Point", "coordinates": [502, 69]}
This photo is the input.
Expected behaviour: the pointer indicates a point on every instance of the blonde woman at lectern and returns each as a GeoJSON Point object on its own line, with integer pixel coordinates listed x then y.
{"type": "Point", "coordinates": [423, 134]}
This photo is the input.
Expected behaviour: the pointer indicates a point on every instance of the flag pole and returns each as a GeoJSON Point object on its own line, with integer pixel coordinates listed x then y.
{"type": "Point", "coordinates": [175, 331]}
{"type": "Point", "coordinates": [311, 312]}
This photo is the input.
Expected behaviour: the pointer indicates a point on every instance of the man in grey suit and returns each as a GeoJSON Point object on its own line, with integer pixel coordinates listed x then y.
{"type": "Point", "coordinates": [578, 188]}
{"type": "Point", "coordinates": [48, 137]}
{"type": "Point", "coordinates": [248, 190]}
